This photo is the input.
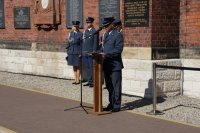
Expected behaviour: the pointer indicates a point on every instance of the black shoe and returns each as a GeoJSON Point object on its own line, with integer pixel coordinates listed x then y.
{"type": "Point", "coordinates": [74, 83]}
{"type": "Point", "coordinates": [115, 110]}
{"type": "Point", "coordinates": [77, 83]}
{"type": "Point", "coordinates": [83, 81]}
{"type": "Point", "coordinates": [86, 84]}
{"type": "Point", "coordinates": [91, 85]}
{"type": "Point", "coordinates": [108, 108]}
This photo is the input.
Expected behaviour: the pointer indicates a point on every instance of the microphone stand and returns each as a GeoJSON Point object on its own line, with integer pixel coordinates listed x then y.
{"type": "Point", "coordinates": [81, 86]}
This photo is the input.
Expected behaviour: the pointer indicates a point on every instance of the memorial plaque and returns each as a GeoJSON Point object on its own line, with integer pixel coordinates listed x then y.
{"type": "Point", "coordinates": [47, 14]}
{"type": "Point", "coordinates": [2, 20]}
{"type": "Point", "coordinates": [108, 8]}
{"type": "Point", "coordinates": [22, 17]}
{"type": "Point", "coordinates": [136, 13]}
{"type": "Point", "coordinates": [74, 12]}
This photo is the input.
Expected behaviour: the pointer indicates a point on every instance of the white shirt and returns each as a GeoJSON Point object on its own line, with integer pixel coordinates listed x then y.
{"type": "Point", "coordinates": [110, 32]}
{"type": "Point", "coordinates": [90, 29]}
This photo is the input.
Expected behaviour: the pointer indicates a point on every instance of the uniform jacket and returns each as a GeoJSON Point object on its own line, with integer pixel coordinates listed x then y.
{"type": "Point", "coordinates": [75, 41]}
{"type": "Point", "coordinates": [112, 47]}
{"type": "Point", "coordinates": [90, 40]}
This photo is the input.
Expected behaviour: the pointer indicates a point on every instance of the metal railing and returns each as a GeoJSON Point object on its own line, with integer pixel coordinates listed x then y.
{"type": "Point", "coordinates": [154, 111]}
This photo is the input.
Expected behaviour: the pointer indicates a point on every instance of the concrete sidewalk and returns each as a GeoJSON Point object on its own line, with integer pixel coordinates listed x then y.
{"type": "Point", "coordinates": [30, 112]}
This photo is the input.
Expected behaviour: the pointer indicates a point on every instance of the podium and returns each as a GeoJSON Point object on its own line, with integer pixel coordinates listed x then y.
{"type": "Point", "coordinates": [97, 77]}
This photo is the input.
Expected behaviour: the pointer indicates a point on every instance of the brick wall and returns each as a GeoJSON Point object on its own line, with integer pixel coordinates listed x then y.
{"type": "Point", "coordinates": [137, 36]}
{"type": "Point", "coordinates": [165, 23]}
{"type": "Point", "coordinates": [134, 36]}
{"type": "Point", "coordinates": [171, 24]}
{"type": "Point", "coordinates": [190, 29]}
{"type": "Point", "coordinates": [190, 23]}
{"type": "Point", "coordinates": [10, 34]}
{"type": "Point", "coordinates": [165, 28]}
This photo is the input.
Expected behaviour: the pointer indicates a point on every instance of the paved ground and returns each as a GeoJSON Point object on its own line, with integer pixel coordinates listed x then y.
{"type": "Point", "coordinates": [180, 108]}
{"type": "Point", "coordinates": [30, 112]}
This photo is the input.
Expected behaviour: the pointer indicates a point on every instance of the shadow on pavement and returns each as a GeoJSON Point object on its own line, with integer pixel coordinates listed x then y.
{"type": "Point", "coordinates": [140, 103]}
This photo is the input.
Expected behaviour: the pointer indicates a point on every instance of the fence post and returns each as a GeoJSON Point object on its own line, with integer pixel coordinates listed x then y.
{"type": "Point", "coordinates": [182, 78]}
{"type": "Point", "coordinates": [154, 93]}
{"type": "Point", "coordinates": [154, 89]}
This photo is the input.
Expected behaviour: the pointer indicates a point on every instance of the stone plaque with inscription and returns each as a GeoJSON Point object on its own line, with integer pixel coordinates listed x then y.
{"type": "Point", "coordinates": [22, 17]}
{"type": "Point", "coordinates": [74, 12]}
{"type": "Point", "coordinates": [136, 13]}
{"type": "Point", "coordinates": [109, 8]}
{"type": "Point", "coordinates": [2, 20]}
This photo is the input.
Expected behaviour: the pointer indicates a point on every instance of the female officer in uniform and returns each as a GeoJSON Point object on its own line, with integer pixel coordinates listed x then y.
{"type": "Point", "coordinates": [74, 50]}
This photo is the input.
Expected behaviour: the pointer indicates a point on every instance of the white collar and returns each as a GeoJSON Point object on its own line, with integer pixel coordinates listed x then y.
{"type": "Point", "coordinates": [90, 29]}
{"type": "Point", "coordinates": [110, 32]}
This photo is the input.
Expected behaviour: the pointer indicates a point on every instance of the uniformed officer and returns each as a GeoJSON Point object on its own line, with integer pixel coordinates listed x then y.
{"type": "Point", "coordinates": [90, 44]}
{"type": "Point", "coordinates": [118, 27]}
{"type": "Point", "coordinates": [112, 47]}
{"type": "Point", "coordinates": [74, 50]}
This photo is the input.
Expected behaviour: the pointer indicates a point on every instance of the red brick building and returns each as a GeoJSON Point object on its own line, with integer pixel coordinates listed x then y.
{"type": "Point", "coordinates": [172, 24]}
{"type": "Point", "coordinates": [172, 31]}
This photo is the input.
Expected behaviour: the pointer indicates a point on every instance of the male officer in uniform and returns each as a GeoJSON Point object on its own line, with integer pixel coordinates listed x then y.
{"type": "Point", "coordinates": [90, 44]}
{"type": "Point", "coordinates": [112, 47]}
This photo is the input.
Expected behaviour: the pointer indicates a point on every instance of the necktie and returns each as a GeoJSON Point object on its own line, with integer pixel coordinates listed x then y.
{"type": "Point", "coordinates": [106, 36]}
{"type": "Point", "coordinates": [74, 34]}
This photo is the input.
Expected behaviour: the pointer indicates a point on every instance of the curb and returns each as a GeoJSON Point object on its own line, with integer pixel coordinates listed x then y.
{"type": "Point", "coordinates": [6, 130]}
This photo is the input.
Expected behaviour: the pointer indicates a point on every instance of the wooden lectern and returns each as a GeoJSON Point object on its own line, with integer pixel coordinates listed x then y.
{"type": "Point", "coordinates": [97, 77]}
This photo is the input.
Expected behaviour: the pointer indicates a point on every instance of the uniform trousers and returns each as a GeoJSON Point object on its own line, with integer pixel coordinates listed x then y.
{"type": "Point", "coordinates": [114, 85]}
{"type": "Point", "coordinates": [88, 61]}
